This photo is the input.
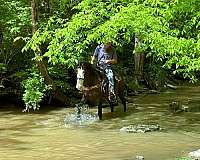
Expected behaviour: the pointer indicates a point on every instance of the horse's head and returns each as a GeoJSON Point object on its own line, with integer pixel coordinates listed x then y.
{"type": "Point", "coordinates": [80, 77]}
{"type": "Point", "coordinates": [82, 68]}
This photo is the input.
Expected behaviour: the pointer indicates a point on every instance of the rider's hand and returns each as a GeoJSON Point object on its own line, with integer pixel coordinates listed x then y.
{"type": "Point", "coordinates": [92, 59]}
{"type": "Point", "coordinates": [107, 61]}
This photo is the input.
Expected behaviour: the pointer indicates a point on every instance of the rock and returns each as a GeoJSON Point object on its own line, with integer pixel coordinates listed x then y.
{"type": "Point", "coordinates": [139, 157]}
{"type": "Point", "coordinates": [175, 106]}
{"type": "Point", "coordinates": [142, 128]}
{"type": "Point", "coordinates": [195, 154]}
{"type": "Point", "coordinates": [171, 86]}
{"type": "Point", "coordinates": [153, 92]}
{"type": "Point", "coordinates": [185, 108]}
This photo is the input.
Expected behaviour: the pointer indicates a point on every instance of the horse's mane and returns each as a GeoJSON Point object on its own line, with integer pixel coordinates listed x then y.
{"type": "Point", "coordinates": [88, 67]}
{"type": "Point", "coordinates": [93, 72]}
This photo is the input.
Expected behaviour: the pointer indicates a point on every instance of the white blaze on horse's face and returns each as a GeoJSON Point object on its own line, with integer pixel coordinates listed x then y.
{"type": "Point", "coordinates": [80, 79]}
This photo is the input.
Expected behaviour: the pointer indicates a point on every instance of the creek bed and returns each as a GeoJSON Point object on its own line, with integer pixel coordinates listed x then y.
{"type": "Point", "coordinates": [45, 135]}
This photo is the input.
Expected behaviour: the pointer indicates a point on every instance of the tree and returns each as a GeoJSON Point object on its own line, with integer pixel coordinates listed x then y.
{"type": "Point", "coordinates": [15, 22]}
{"type": "Point", "coordinates": [169, 30]}
{"type": "Point", "coordinates": [44, 74]}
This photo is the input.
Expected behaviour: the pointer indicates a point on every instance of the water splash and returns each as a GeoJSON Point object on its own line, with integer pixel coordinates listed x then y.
{"type": "Point", "coordinates": [80, 118]}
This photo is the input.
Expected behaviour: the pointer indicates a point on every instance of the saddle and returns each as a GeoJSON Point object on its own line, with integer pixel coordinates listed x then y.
{"type": "Point", "coordinates": [104, 80]}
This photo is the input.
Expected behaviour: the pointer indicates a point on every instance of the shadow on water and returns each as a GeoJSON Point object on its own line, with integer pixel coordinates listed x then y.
{"type": "Point", "coordinates": [118, 112]}
{"type": "Point", "coordinates": [12, 108]}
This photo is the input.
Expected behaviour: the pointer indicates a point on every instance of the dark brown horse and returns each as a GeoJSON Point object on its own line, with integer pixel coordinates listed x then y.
{"type": "Point", "coordinates": [92, 82]}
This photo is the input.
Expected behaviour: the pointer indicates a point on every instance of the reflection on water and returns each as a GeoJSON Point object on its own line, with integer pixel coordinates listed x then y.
{"type": "Point", "coordinates": [59, 134]}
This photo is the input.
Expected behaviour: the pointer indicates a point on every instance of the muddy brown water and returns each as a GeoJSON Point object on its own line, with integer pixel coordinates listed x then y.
{"type": "Point", "coordinates": [48, 136]}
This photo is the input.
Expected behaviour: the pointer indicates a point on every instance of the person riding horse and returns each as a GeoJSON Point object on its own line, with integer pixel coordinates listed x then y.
{"type": "Point", "coordinates": [106, 56]}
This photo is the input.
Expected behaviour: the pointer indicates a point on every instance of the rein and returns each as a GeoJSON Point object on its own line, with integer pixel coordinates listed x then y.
{"type": "Point", "coordinates": [92, 87]}
{"type": "Point", "coordinates": [98, 85]}
{"type": "Point", "coordinates": [95, 83]}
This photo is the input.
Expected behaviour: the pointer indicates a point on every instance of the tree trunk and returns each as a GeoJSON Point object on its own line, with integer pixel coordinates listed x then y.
{"type": "Point", "coordinates": [139, 62]}
{"type": "Point", "coordinates": [47, 7]}
{"type": "Point", "coordinates": [34, 15]}
{"type": "Point", "coordinates": [1, 37]}
{"type": "Point", "coordinates": [41, 65]}
{"type": "Point", "coordinates": [139, 65]}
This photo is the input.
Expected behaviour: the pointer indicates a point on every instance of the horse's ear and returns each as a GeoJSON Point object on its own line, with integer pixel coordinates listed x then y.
{"type": "Point", "coordinates": [78, 64]}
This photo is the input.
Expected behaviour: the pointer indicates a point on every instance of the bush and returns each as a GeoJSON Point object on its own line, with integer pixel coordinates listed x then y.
{"type": "Point", "coordinates": [35, 90]}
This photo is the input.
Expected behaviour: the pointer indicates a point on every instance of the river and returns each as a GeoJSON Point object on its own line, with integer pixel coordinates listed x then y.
{"type": "Point", "coordinates": [50, 135]}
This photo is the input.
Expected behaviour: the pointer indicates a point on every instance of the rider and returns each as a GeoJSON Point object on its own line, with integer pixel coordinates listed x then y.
{"type": "Point", "coordinates": [106, 56]}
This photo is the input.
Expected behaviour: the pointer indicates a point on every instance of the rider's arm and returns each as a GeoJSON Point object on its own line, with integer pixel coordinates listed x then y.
{"type": "Point", "coordinates": [96, 52]}
{"type": "Point", "coordinates": [113, 60]}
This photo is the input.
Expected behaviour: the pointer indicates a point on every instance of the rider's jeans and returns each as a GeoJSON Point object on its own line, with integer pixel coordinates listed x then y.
{"type": "Point", "coordinates": [109, 74]}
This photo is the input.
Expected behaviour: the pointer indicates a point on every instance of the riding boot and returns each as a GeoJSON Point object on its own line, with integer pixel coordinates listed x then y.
{"type": "Point", "coordinates": [112, 98]}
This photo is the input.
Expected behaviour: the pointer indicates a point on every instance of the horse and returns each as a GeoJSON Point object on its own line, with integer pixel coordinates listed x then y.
{"type": "Point", "coordinates": [93, 84]}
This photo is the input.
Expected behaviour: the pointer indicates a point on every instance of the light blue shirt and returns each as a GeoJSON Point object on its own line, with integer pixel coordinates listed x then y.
{"type": "Point", "coordinates": [101, 55]}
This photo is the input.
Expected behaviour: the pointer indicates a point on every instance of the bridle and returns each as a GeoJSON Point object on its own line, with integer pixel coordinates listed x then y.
{"type": "Point", "coordinates": [81, 77]}
{"type": "Point", "coordinates": [78, 77]}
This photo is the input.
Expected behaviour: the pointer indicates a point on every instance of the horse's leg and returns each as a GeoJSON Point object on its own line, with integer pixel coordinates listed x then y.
{"type": "Point", "coordinates": [100, 110]}
{"type": "Point", "coordinates": [123, 100]}
{"type": "Point", "coordinates": [80, 104]}
{"type": "Point", "coordinates": [121, 89]}
{"type": "Point", "coordinates": [111, 107]}
{"type": "Point", "coordinates": [111, 104]}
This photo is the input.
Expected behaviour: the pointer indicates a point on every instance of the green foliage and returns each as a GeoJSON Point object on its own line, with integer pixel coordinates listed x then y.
{"type": "Point", "coordinates": [66, 45]}
{"type": "Point", "coordinates": [170, 29]}
{"type": "Point", "coordinates": [62, 78]}
{"type": "Point", "coordinates": [179, 52]}
{"type": "Point", "coordinates": [95, 22]}
{"type": "Point", "coordinates": [35, 90]}
{"type": "Point", "coordinates": [154, 75]}
{"type": "Point", "coordinates": [69, 30]}
{"type": "Point", "coordinates": [3, 68]}
{"type": "Point", "coordinates": [15, 22]}
{"type": "Point", "coordinates": [15, 17]}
